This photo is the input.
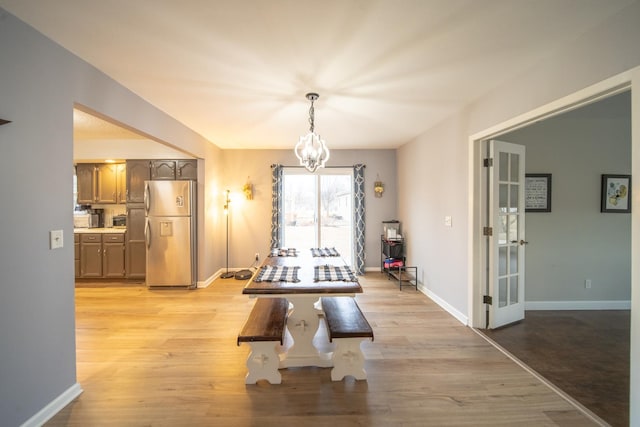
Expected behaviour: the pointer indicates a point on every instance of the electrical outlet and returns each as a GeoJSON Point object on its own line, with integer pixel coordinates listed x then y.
{"type": "Point", "coordinates": [587, 284]}
{"type": "Point", "coordinates": [257, 256]}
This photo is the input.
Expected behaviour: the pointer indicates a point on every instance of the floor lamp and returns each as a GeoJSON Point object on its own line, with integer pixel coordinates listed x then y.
{"type": "Point", "coordinates": [228, 274]}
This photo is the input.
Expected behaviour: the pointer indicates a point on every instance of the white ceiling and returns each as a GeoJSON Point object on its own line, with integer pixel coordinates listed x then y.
{"type": "Point", "coordinates": [386, 70]}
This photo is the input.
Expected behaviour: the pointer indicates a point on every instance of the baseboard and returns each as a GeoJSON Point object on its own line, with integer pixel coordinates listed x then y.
{"type": "Point", "coordinates": [577, 305]}
{"type": "Point", "coordinates": [55, 406]}
{"type": "Point", "coordinates": [462, 318]}
{"type": "Point", "coordinates": [205, 283]}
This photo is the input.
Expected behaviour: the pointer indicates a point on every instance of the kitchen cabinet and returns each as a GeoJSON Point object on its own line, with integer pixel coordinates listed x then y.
{"type": "Point", "coordinates": [187, 169]}
{"type": "Point", "coordinates": [76, 254]}
{"type": "Point", "coordinates": [101, 183]}
{"type": "Point", "coordinates": [163, 169]}
{"type": "Point", "coordinates": [136, 253]}
{"type": "Point", "coordinates": [85, 177]}
{"type": "Point", "coordinates": [91, 255]}
{"type": "Point", "coordinates": [121, 183]}
{"type": "Point", "coordinates": [113, 252]}
{"type": "Point", "coordinates": [137, 172]}
{"type": "Point", "coordinates": [101, 255]}
{"type": "Point", "coordinates": [174, 169]}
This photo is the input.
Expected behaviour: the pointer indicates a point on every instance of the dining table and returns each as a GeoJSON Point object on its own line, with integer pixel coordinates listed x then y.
{"type": "Point", "coordinates": [304, 297]}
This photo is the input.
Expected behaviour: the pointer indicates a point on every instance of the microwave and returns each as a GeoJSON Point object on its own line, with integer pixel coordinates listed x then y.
{"type": "Point", "coordinates": [86, 220]}
{"type": "Point", "coordinates": [119, 220]}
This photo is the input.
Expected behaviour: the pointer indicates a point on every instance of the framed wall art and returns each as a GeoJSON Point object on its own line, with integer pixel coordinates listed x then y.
{"type": "Point", "coordinates": [616, 193]}
{"type": "Point", "coordinates": [537, 192]}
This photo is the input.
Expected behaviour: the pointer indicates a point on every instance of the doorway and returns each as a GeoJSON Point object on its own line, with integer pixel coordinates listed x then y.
{"type": "Point", "coordinates": [318, 210]}
{"type": "Point", "coordinates": [577, 232]}
{"type": "Point", "coordinates": [574, 236]}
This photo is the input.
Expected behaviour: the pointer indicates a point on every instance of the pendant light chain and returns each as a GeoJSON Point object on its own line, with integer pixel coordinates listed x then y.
{"type": "Point", "coordinates": [311, 116]}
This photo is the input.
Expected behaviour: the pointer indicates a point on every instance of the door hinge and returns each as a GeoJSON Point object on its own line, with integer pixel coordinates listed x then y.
{"type": "Point", "coordinates": [488, 162]}
{"type": "Point", "coordinates": [487, 299]}
{"type": "Point", "coordinates": [487, 231]}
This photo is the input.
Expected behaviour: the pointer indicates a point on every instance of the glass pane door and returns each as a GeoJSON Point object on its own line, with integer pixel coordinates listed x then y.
{"type": "Point", "coordinates": [300, 207]}
{"type": "Point", "coordinates": [336, 214]}
{"type": "Point", "coordinates": [506, 258]}
{"type": "Point", "coordinates": [318, 210]}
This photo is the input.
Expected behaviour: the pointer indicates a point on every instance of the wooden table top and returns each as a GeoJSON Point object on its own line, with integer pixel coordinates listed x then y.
{"type": "Point", "coordinates": [306, 285]}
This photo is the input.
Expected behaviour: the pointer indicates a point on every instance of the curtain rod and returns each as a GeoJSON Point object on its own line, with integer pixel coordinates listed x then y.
{"type": "Point", "coordinates": [325, 167]}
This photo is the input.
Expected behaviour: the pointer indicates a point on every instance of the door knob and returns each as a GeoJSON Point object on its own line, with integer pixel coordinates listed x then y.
{"type": "Point", "coordinates": [521, 242]}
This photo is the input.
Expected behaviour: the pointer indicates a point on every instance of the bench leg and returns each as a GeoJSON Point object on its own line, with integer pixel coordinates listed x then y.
{"type": "Point", "coordinates": [348, 359]}
{"type": "Point", "coordinates": [263, 362]}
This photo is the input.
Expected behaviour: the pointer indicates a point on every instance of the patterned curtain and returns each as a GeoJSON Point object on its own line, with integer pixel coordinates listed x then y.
{"type": "Point", "coordinates": [276, 206]}
{"type": "Point", "coordinates": [358, 218]}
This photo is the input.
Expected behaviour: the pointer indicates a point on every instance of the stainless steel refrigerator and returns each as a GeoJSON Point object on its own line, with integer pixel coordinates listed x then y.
{"type": "Point", "coordinates": [170, 233]}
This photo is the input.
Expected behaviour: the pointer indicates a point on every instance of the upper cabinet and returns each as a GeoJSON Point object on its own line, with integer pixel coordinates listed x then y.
{"type": "Point", "coordinates": [187, 169]}
{"type": "Point", "coordinates": [107, 183]}
{"type": "Point", "coordinates": [85, 173]}
{"type": "Point", "coordinates": [101, 183]}
{"type": "Point", "coordinates": [138, 171]}
{"type": "Point", "coordinates": [174, 169]}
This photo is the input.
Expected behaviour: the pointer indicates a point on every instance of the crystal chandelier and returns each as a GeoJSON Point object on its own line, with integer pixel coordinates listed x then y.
{"type": "Point", "coordinates": [311, 150]}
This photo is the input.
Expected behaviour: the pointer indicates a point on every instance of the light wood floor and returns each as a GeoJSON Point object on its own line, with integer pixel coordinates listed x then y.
{"type": "Point", "coordinates": [169, 358]}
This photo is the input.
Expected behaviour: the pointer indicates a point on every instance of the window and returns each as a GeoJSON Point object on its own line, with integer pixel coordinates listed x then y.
{"type": "Point", "coordinates": [318, 210]}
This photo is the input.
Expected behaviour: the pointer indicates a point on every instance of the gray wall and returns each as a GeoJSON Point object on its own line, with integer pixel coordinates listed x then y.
{"type": "Point", "coordinates": [39, 84]}
{"type": "Point", "coordinates": [576, 241]}
{"type": "Point", "coordinates": [250, 222]}
{"type": "Point", "coordinates": [437, 172]}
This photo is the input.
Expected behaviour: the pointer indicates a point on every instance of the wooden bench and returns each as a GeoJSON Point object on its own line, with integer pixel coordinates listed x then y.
{"type": "Point", "coordinates": [347, 327]}
{"type": "Point", "coordinates": [263, 330]}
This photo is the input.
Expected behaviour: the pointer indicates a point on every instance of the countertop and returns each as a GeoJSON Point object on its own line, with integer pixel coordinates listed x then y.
{"type": "Point", "coordinates": [110, 230]}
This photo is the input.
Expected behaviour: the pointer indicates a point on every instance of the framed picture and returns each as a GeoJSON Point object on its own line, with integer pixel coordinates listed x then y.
{"type": "Point", "coordinates": [616, 193]}
{"type": "Point", "coordinates": [537, 192]}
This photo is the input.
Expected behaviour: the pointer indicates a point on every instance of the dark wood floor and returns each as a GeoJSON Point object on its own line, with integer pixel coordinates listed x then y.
{"type": "Point", "coordinates": [584, 353]}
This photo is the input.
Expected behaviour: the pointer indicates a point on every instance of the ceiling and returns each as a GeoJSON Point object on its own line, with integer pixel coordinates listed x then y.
{"type": "Point", "coordinates": [237, 71]}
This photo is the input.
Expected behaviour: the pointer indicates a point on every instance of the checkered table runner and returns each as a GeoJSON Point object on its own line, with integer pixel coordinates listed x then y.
{"type": "Point", "coordinates": [332, 273]}
{"type": "Point", "coordinates": [277, 273]}
{"type": "Point", "coordinates": [324, 252]}
{"type": "Point", "coordinates": [283, 252]}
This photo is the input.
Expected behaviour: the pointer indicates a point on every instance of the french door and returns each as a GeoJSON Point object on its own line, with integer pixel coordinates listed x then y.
{"type": "Point", "coordinates": [507, 241]}
{"type": "Point", "coordinates": [318, 210]}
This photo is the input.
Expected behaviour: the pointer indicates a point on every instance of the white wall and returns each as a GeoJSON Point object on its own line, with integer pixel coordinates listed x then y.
{"type": "Point", "coordinates": [39, 85]}
{"type": "Point", "coordinates": [575, 241]}
{"type": "Point", "coordinates": [250, 220]}
{"type": "Point", "coordinates": [424, 187]}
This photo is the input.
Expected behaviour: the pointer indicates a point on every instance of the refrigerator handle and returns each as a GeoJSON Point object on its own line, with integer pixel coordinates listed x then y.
{"type": "Point", "coordinates": [147, 196]}
{"type": "Point", "coordinates": [147, 234]}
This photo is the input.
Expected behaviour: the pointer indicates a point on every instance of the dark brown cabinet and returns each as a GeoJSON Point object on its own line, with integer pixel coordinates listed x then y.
{"type": "Point", "coordinates": [101, 255]}
{"type": "Point", "coordinates": [76, 254]}
{"type": "Point", "coordinates": [138, 171]}
{"type": "Point", "coordinates": [174, 169]}
{"type": "Point", "coordinates": [91, 255]}
{"type": "Point", "coordinates": [163, 169]}
{"type": "Point", "coordinates": [136, 262]}
{"type": "Point", "coordinates": [101, 183]}
{"type": "Point", "coordinates": [85, 177]}
{"type": "Point", "coordinates": [113, 256]}
{"type": "Point", "coordinates": [187, 169]}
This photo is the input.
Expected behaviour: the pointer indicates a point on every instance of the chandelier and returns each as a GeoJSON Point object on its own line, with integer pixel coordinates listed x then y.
{"type": "Point", "coordinates": [311, 150]}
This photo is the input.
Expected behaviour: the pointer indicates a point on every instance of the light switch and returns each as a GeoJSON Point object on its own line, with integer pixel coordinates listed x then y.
{"type": "Point", "coordinates": [55, 239]}
{"type": "Point", "coordinates": [447, 221]}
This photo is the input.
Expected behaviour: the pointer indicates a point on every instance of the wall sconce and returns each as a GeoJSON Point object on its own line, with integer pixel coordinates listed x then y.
{"type": "Point", "coordinates": [378, 187]}
{"type": "Point", "coordinates": [247, 189]}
